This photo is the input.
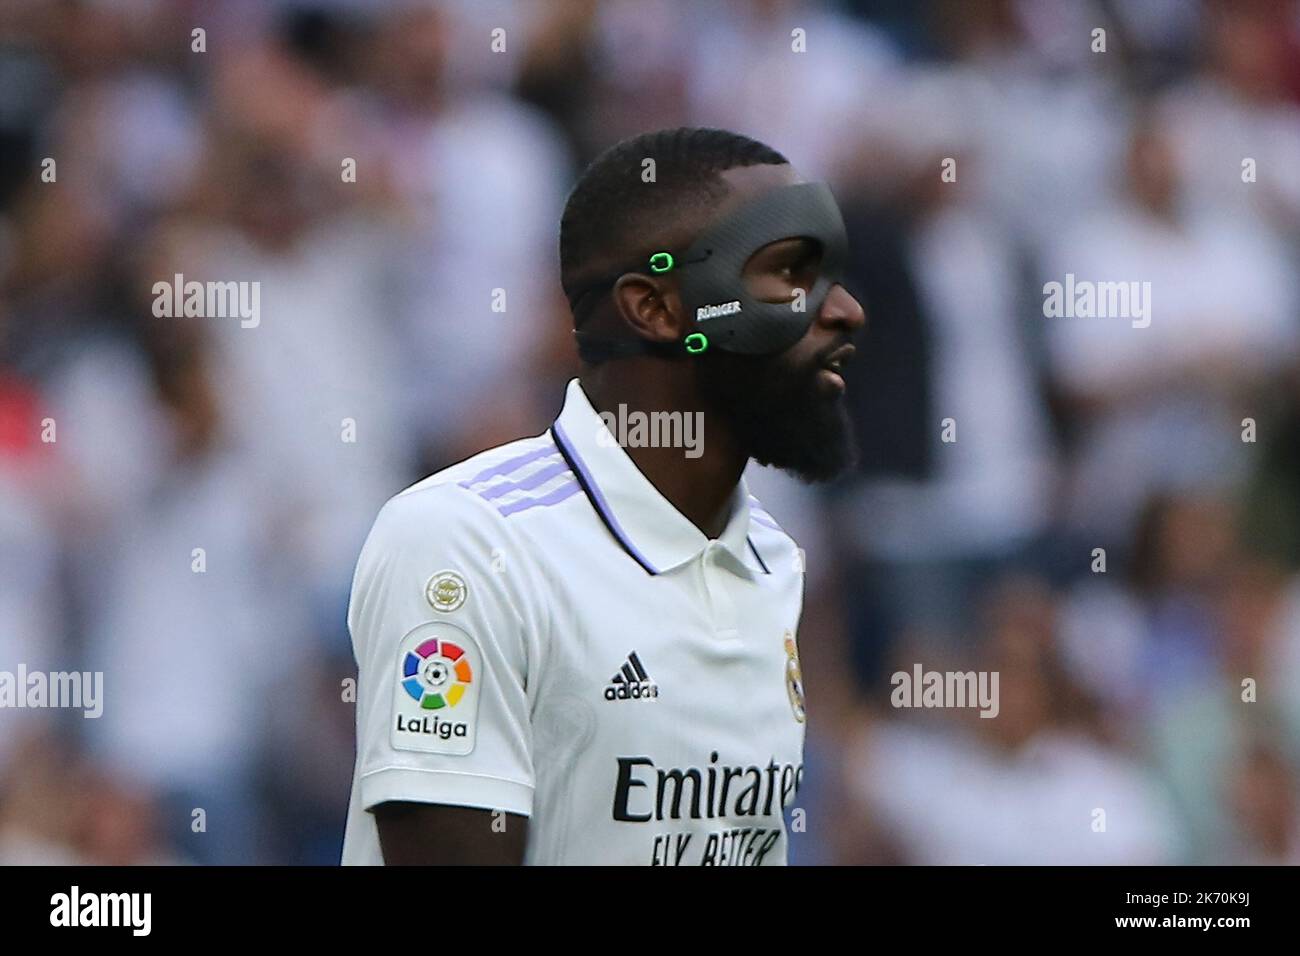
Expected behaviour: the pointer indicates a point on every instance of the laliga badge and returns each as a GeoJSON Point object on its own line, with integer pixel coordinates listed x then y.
{"type": "Point", "coordinates": [436, 690]}
{"type": "Point", "coordinates": [445, 591]}
{"type": "Point", "coordinates": [793, 678]}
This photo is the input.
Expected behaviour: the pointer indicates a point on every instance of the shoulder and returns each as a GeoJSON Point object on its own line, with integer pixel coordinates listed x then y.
{"type": "Point", "coordinates": [455, 530]}
{"type": "Point", "coordinates": [479, 497]}
{"type": "Point", "coordinates": [485, 484]}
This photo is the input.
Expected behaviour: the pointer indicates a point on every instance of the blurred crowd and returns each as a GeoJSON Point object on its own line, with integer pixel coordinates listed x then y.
{"type": "Point", "coordinates": [1115, 529]}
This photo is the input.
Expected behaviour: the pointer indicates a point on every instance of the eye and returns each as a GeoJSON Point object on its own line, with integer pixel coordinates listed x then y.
{"type": "Point", "coordinates": [782, 269]}
{"type": "Point", "coordinates": [800, 273]}
{"type": "Point", "coordinates": [800, 268]}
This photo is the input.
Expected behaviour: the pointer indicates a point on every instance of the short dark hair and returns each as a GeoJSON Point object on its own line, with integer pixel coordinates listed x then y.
{"type": "Point", "coordinates": [611, 212]}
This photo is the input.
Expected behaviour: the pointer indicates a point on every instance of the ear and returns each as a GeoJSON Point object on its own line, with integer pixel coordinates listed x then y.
{"type": "Point", "coordinates": [651, 306]}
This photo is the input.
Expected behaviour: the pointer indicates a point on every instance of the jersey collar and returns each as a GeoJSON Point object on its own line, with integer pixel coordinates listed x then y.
{"type": "Point", "coordinates": [650, 529]}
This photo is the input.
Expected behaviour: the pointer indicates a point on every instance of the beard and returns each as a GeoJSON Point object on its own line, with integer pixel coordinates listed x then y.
{"type": "Point", "coordinates": [778, 413]}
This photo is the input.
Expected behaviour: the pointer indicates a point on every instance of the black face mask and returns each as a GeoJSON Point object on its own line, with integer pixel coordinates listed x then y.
{"type": "Point", "coordinates": [726, 315]}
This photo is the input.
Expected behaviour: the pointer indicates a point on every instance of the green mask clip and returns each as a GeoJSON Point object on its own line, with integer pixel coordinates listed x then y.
{"type": "Point", "coordinates": [661, 262]}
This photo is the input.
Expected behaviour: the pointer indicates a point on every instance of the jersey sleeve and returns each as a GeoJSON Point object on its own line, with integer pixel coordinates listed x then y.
{"type": "Point", "coordinates": [444, 639]}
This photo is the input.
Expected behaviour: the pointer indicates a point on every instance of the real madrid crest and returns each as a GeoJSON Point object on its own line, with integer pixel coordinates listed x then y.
{"type": "Point", "coordinates": [793, 677]}
{"type": "Point", "coordinates": [445, 591]}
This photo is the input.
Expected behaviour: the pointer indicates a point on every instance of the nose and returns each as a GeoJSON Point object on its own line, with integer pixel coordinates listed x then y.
{"type": "Point", "coordinates": [842, 312]}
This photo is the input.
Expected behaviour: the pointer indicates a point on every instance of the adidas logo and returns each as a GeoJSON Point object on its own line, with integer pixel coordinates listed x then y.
{"type": "Point", "coordinates": [631, 682]}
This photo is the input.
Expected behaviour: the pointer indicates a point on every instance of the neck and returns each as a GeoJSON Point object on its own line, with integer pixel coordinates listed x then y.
{"type": "Point", "coordinates": [700, 488]}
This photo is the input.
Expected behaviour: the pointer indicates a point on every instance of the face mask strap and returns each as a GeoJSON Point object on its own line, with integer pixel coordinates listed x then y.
{"type": "Point", "coordinates": [595, 349]}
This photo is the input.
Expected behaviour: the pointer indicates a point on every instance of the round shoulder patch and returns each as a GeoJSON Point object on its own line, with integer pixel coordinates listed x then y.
{"type": "Point", "coordinates": [446, 591]}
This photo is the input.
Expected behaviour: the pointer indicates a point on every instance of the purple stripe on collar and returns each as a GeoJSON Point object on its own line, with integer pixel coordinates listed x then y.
{"type": "Point", "coordinates": [597, 499]}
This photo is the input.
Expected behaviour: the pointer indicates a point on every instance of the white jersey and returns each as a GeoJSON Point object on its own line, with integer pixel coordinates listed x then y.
{"type": "Point", "coordinates": [538, 630]}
